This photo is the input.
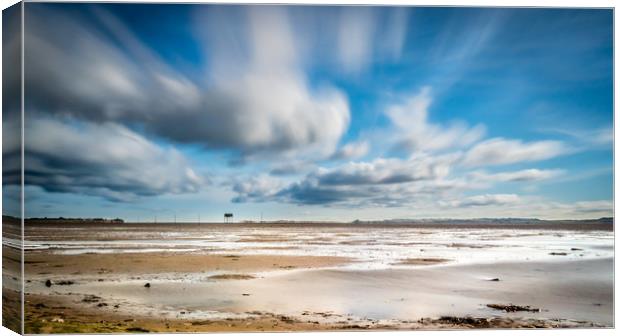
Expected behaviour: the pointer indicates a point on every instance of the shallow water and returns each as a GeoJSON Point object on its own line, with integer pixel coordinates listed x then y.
{"type": "Point", "coordinates": [576, 283]}
{"type": "Point", "coordinates": [575, 290]}
{"type": "Point", "coordinates": [372, 248]}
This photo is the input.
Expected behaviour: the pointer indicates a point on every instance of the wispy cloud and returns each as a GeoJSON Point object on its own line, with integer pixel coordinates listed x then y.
{"type": "Point", "coordinates": [603, 136]}
{"type": "Point", "coordinates": [484, 200]}
{"type": "Point", "coordinates": [498, 151]}
{"type": "Point", "coordinates": [415, 132]}
{"type": "Point", "coordinates": [357, 27]}
{"type": "Point", "coordinates": [393, 38]}
{"type": "Point", "coordinates": [525, 175]}
{"type": "Point", "coordinates": [455, 48]}
{"type": "Point", "coordinates": [350, 40]}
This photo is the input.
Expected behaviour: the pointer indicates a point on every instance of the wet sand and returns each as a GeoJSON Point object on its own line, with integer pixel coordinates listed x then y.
{"type": "Point", "coordinates": [293, 280]}
{"type": "Point", "coordinates": [104, 265]}
{"type": "Point", "coordinates": [577, 294]}
{"type": "Point", "coordinates": [422, 261]}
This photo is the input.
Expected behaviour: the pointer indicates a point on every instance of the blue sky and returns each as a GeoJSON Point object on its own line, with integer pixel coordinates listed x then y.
{"type": "Point", "coordinates": [317, 113]}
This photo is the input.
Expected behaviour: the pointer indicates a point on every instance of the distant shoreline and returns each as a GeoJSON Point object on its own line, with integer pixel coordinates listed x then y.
{"type": "Point", "coordinates": [603, 224]}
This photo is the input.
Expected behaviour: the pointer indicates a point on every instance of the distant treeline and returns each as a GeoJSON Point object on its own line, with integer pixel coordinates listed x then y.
{"type": "Point", "coordinates": [415, 222]}
{"type": "Point", "coordinates": [63, 219]}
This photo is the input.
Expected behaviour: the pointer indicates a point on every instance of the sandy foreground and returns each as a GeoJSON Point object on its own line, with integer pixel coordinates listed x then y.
{"type": "Point", "coordinates": [296, 280]}
{"type": "Point", "coordinates": [59, 309]}
{"type": "Point", "coordinates": [11, 286]}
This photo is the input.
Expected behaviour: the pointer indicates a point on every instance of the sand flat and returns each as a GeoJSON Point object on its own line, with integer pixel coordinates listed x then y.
{"type": "Point", "coordinates": [316, 278]}
{"type": "Point", "coordinates": [389, 296]}
{"type": "Point", "coordinates": [42, 264]}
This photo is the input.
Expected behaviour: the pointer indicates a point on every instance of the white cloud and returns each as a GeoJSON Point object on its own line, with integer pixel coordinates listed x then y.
{"type": "Point", "coordinates": [259, 188]}
{"type": "Point", "coordinates": [393, 40]}
{"type": "Point", "coordinates": [415, 132]}
{"type": "Point", "coordinates": [352, 150]}
{"type": "Point", "coordinates": [435, 150]}
{"type": "Point", "coordinates": [265, 103]}
{"type": "Point", "coordinates": [421, 186]}
{"type": "Point", "coordinates": [498, 151]}
{"type": "Point", "coordinates": [386, 171]}
{"type": "Point", "coordinates": [525, 175]}
{"type": "Point", "coordinates": [107, 160]}
{"type": "Point", "coordinates": [382, 182]}
{"type": "Point", "coordinates": [484, 200]}
{"type": "Point", "coordinates": [291, 167]}
{"type": "Point", "coordinates": [262, 105]}
{"type": "Point", "coordinates": [357, 28]}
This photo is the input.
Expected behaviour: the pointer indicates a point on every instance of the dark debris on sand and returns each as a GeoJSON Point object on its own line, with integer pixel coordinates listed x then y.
{"type": "Point", "coordinates": [476, 322]}
{"type": "Point", "coordinates": [49, 283]}
{"type": "Point", "coordinates": [91, 298]}
{"type": "Point", "coordinates": [137, 329]}
{"type": "Point", "coordinates": [510, 308]}
{"type": "Point", "coordinates": [496, 322]}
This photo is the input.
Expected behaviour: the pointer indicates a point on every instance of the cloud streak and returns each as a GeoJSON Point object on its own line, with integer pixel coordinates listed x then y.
{"type": "Point", "coordinates": [106, 160]}
{"type": "Point", "coordinates": [525, 175]}
{"type": "Point", "coordinates": [500, 151]}
{"type": "Point", "coordinates": [355, 48]}
{"type": "Point", "coordinates": [415, 132]}
{"type": "Point", "coordinates": [270, 108]}
{"type": "Point", "coordinates": [485, 200]}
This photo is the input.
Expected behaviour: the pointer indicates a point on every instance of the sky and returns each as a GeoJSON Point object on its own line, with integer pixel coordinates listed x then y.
{"type": "Point", "coordinates": [144, 111]}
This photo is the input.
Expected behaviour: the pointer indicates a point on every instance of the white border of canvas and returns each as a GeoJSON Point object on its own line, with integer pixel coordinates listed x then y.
{"type": "Point", "coordinates": [471, 3]}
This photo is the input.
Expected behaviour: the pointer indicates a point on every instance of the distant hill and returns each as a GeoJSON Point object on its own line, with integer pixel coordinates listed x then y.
{"type": "Point", "coordinates": [507, 221]}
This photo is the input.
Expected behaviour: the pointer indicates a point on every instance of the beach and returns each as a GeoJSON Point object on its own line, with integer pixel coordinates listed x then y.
{"type": "Point", "coordinates": [83, 277]}
{"type": "Point", "coordinates": [12, 279]}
